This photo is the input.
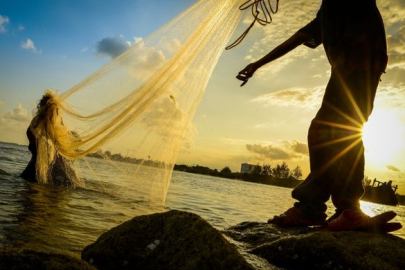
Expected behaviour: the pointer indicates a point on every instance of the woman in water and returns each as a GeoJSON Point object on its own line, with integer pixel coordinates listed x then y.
{"type": "Point", "coordinates": [46, 133]}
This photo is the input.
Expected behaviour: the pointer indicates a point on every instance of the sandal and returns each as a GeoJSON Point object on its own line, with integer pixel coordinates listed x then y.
{"type": "Point", "coordinates": [352, 220]}
{"type": "Point", "coordinates": [292, 218]}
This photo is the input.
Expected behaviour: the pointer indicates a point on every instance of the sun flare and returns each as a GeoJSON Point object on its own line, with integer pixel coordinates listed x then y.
{"type": "Point", "coordinates": [383, 137]}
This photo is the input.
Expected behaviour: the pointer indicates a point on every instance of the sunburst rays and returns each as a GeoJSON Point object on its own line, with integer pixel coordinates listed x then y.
{"type": "Point", "coordinates": [347, 129]}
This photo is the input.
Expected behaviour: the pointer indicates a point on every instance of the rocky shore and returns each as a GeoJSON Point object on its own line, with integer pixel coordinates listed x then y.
{"type": "Point", "coordinates": [182, 240]}
{"type": "Point", "coordinates": [14, 259]}
{"type": "Point", "coordinates": [308, 248]}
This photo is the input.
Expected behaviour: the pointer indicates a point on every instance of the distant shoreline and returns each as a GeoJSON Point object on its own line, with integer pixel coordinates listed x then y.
{"type": "Point", "coordinates": [259, 179]}
{"type": "Point", "coordinates": [253, 178]}
{"type": "Point", "coordinates": [26, 145]}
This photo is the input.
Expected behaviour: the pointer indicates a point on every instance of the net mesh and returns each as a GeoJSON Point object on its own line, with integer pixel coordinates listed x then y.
{"type": "Point", "coordinates": [136, 111]}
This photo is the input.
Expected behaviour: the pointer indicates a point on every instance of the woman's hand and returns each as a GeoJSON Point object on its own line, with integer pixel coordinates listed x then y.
{"type": "Point", "coordinates": [245, 74]}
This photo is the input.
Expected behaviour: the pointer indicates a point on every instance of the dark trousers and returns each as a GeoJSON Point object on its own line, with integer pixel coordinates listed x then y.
{"type": "Point", "coordinates": [335, 143]}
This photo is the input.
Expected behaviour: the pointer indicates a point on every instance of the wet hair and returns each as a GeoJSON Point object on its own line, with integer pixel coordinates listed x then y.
{"type": "Point", "coordinates": [43, 104]}
{"type": "Point", "coordinates": [43, 101]}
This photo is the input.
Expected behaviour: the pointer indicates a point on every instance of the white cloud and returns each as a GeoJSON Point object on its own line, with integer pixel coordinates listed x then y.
{"type": "Point", "coordinates": [280, 63]}
{"type": "Point", "coordinates": [298, 97]}
{"type": "Point", "coordinates": [15, 121]}
{"type": "Point", "coordinates": [391, 95]}
{"type": "Point", "coordinates": [268, 152]}
{"type": "Point", "coordinates": [137, 39]}
{"type": "Point", "coordinates": [3, 21]}
{"type": "Point", "coordinates": [295, 14]}
{"type": "Point", "coordinates": [271, 124]}
{"type": "Point", "coordinates": [29, 45]}
{"type": "Point", "coordinates": [297, 147]}
{"type": "Point", "coordinates": [21, 27]}
{"type": "Point", "coordinates": [18, 114]}
{"type": "Point", "coordinates": [144, 59]}
{"type": "Point", "coordinates": [285, 151]}
{"type": "Point", "coordinates": [393, 168]}
{"type": "Point", "coordinates": [396, 48]}
{"type": "Point", "coordinates": [169, 121]}
{"type": "Point", "coordinates": [393, 12]}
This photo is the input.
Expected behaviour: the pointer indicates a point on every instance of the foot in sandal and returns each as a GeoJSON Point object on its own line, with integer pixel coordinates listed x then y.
{"type": "Point", "coordinates": [293, 217]}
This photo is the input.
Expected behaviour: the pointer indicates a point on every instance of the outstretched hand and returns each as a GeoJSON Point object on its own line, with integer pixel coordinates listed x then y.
{"type": "Point", "coordinates": [246, 73]}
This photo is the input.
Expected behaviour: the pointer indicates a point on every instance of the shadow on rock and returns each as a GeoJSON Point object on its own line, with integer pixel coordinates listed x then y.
{"type": "Point", "coordinates": [309, 248]}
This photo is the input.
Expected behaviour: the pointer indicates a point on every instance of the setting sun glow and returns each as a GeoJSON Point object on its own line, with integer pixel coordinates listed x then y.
{"type": "Point", "coordinates": [383, 137]}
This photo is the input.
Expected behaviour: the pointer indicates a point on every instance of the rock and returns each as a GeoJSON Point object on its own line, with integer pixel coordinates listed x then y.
{"type": "Point", "coordinates": [171, 240]}
{"type": "Point", "coordinates": [12, 259]}
{"type": "Point", "coordinates": [309, 248]}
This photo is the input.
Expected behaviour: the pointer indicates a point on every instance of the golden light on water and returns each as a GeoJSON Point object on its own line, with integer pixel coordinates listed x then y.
{"type": "Point", "coordinates": [383, 137]}
{"type": "Point", "coordinates": [368, 208]}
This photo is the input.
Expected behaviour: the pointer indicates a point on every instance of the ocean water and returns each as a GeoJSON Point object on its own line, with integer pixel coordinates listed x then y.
{"type": "Point", "coordinates": [61, 220]}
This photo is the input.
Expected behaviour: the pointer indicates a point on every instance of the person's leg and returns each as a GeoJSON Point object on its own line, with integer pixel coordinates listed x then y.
{"type": "Point", "coordinates": [335, 146]}
{"type": "Point", "coordinates": [336, 149]}
{"type": "Point", "coordinates": [347, 190]}
{"type": "Point", "coordinates": [315, 190]}
{"type": "Point", "coordinates": [325, 135]}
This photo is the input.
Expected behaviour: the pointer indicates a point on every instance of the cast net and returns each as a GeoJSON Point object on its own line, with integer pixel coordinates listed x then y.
{"type": "Point", "coordinates": [128, 121]}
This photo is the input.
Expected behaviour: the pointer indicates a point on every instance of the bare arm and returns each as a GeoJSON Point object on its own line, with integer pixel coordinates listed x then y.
{"type": "Point", "coordinates": [284, 48]}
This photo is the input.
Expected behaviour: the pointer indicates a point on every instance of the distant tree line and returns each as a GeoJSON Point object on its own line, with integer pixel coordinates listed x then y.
{"type": "Point", "coordinates": [279, 175]}
{"type": "Point", "coordinates": [279, 171]}
{"type": "Point", "coordinates": [107, 155]}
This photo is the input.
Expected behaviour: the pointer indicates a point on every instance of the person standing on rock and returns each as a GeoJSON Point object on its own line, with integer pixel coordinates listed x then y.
{"type": "Point", "coordinates": [353, 37]}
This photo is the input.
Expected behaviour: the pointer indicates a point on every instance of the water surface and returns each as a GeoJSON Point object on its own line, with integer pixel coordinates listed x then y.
{"type": "Point", "coordinates": [62, 220]}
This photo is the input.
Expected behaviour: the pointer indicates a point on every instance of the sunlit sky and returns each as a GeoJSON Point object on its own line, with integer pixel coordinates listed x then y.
{"type": "Point", "coordinates": [55, 44]}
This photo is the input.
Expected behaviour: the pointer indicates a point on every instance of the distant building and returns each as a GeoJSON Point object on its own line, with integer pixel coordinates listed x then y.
{"type": "Point", "coordinates": [249, 168]}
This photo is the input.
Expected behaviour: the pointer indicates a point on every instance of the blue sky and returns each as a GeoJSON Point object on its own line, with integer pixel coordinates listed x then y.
{"type": "Point", "coordinates": [56, 44]}
{"type": "Point", "coordinates": [62, 40]}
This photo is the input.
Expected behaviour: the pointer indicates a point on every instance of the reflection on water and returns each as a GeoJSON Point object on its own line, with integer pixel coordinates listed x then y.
{"type": "Point", "coordinates": [63, 220]}
{"type": "Point", "coordinates": [371, 209]}
{"type": "Point", "coordinates": [226, 202]}
{"type": "Point", "coordinates": [55, 219]}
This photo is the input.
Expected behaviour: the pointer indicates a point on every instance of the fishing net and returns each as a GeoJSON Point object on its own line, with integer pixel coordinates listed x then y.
{"type": "Point", "coordinates": [128, 121]}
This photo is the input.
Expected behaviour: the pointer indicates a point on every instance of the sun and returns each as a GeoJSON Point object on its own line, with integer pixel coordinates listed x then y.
{"type": "Point", "coordinates": [383, 137]}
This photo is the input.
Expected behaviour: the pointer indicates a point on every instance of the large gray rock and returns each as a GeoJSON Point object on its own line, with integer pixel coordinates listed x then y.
{"type": "Point", "coordinates": [171, 240]}
{"type": "Point", "coordinates": [306, 248]}
{"type": "Point", "coordinates": [12, 259]}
